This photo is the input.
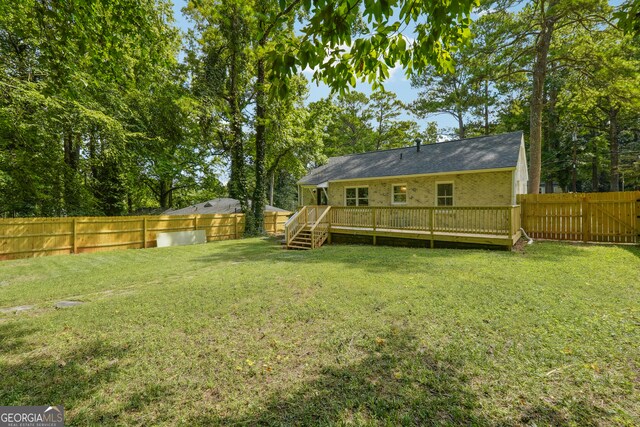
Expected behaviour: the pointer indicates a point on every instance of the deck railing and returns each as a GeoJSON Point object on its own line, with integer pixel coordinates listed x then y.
{"type": "Point", "coordinates": [490, 220]}
{"type": "Point", "coordinates": [320, 230]}
{"type": "Point", "coordinates": [295, 224]}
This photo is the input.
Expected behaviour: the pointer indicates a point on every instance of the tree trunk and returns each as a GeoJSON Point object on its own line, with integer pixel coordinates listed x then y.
{"type": "Point", "coordinates": [537, 101]}
{"type": "Point", "coordinates": [595, 176]}
{"type": "Point", "coordinates": [272, 183]}
{"type": "Point", "coordinates": [574, 165]}
{"type": "Point", "coordinates": [486, 106]}
{"type": "Point", "coordinates": [379, 138]}
{"type": "Point", "coordinates": [163, 193]}
{"type": "Point", "coordinates": [460, 125]}
{"type": "Point", "coordinates": [237, 179]}
{"type": "Point", "coordinates": [259, 194]}
{"type": "Point", "coordinates": [613, 145]}
{"type": "Point", "coordinates": [71, 160]}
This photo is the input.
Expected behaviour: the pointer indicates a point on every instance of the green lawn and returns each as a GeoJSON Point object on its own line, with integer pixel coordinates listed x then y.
{"type": "Point", "coordinates": [242, 332]}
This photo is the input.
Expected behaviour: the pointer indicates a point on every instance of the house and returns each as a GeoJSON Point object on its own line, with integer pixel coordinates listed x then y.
{"type": "Point", "coordinates": [274, 218]}
{"type": "Point", "coordinates": [482, 175]}
{"type": "Point", "coordinates": [223, 205]}
{"type": "Point", "coordinates": [482, 171]}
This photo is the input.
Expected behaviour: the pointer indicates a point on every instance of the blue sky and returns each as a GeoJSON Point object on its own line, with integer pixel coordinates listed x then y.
{"type": "Point", "coordinates": [397, 83]}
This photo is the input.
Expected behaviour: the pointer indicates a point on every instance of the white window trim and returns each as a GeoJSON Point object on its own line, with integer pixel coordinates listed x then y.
{"type": "Point", "coordinates": [357, 200]}
{"type": "Point", "coordinates": [393, 194]}
{"type": "Point", "coordinates": [453, 196]}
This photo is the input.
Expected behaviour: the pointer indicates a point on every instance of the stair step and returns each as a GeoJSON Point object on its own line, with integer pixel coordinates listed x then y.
{"type": "Point", "coordinates": [298, 247]}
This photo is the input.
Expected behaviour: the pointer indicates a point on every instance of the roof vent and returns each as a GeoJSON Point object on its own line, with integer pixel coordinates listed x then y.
{"type": "Point", "coordinates": [208, 205]}
{"type": "Point", "coordinates": [418, 143]}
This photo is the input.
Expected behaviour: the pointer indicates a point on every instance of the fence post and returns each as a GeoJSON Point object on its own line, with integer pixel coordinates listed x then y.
{"type": "Point", "coordinates": [144, 232]}
{"type": "Point", "coordinates": [636, 213]}
{"type": "Point", "coordinates": [523, 212]}
{"type": "Point", "coordinates": [75, 233]}
{"type": "Point", "coordinates": [586, 219]}
{"type": "Point", "coordinates": [235, 226]}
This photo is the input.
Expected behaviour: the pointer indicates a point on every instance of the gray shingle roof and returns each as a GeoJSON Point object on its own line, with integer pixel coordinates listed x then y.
{"type": "Point", "coordinates": [486, 152]}
{"type": "Point", "coordinates": [217, 206]}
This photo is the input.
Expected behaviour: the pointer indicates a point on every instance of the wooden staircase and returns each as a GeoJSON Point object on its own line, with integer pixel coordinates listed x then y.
{"type": "Point", "coordinates": [302, 241]}
{"type": "Point", "coordinates": [308, 228]}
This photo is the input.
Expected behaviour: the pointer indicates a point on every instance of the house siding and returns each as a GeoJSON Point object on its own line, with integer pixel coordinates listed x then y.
{"type": "Point", "coordinates": [470, 189]}
{"type": "Point", "coordinates": [308, 198]}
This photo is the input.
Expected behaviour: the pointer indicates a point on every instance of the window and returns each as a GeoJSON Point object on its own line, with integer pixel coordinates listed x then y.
{"type": "Point", "coordinates": [357, 196]}
{"type": "Point", "coordinates": [399, 194]}
{"type": "Point", "coordinates": [445, 194]}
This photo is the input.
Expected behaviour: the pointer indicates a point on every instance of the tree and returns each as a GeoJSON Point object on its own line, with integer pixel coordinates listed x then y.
{"type": "Point", "coordinates": [352, 39]}
{"type": "Point", "coordinates": [445, 92]}
{"type": "Point", "coordinates": [629, 17]}
{"type": "Point", "coordinates": [65, 117]}
{"type": "Point", "coordinates": [222, 64]}
{"type": "Point", "coordinates": [528, 39]}
{"type": "Point", "coordinates": [388, 130]}
{"type": "Point", "coordinates": [608, 88]}
{"type": "Point", "coordinates": [294, 140]}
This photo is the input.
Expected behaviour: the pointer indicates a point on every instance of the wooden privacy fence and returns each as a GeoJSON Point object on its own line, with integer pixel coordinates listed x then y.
{"type": "Point", "coordinates": [588, 217]}
{"type": "Point", "coordinates": [27, 237]}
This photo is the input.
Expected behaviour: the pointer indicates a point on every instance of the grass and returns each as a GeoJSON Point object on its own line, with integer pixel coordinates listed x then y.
{"type": "Point", "coordinates": [242, 332]}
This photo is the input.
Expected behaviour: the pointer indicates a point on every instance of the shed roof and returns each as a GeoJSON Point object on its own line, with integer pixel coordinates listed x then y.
{"type": "Point", "coordinates": [223, 205]}
{"type": "Point", "coordinates": [485, 152]}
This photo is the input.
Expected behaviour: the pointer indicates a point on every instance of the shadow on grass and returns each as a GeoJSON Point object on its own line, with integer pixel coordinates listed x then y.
{"type": "Point", "coordinates": [376, 258]}
{"type": "Point", "coordinates": [72, 378]}
{"type": "Point", "coordinates": [578, 413]}
{"type": "Point", "coordinates": [396, 383]}
{"type": "Point", "coordinates": [633, 250]}
{"type": "Point", "coordinates": [12, 337]}
{"type": "Point", "coordinates": [64, 378]}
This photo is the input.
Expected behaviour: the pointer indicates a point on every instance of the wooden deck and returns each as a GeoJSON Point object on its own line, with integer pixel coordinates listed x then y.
{"type": "Point", "coordinates": [480, 239]}
{"type": "Point", "coordinates": [311, 226]}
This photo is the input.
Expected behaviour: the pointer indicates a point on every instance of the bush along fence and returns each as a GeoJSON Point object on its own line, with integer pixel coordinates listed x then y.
{"type": "Point", "coordinates": [587, 217]}
{"type": "Point", "coordinates": [28, 237]}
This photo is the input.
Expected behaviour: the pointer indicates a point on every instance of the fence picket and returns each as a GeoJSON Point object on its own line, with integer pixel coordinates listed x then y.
{"type": "Point", "coordinates": [26, 237]}
{"type": "Point", "coordinates": [588, 217]}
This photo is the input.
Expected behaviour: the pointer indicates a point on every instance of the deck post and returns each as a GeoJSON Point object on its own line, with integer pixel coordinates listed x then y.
{"type": "Point", "coordinates": [329, 226]}
{"type": "Point", "coordinates": [373, 222]}
{"type": "Point", "coordinates": [431, 219]}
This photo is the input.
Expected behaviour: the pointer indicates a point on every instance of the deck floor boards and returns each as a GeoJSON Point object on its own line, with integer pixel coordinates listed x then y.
{"type": "Point", "coordinates": [495, 239]}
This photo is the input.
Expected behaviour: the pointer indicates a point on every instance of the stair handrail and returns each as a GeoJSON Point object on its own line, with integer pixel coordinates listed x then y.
{"type": "Point", "coordinates": [320, 218]}
{"type": "Point", "coordinates": [288, 232]}
{"type": "Point", "coordinates": [313, 228]}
